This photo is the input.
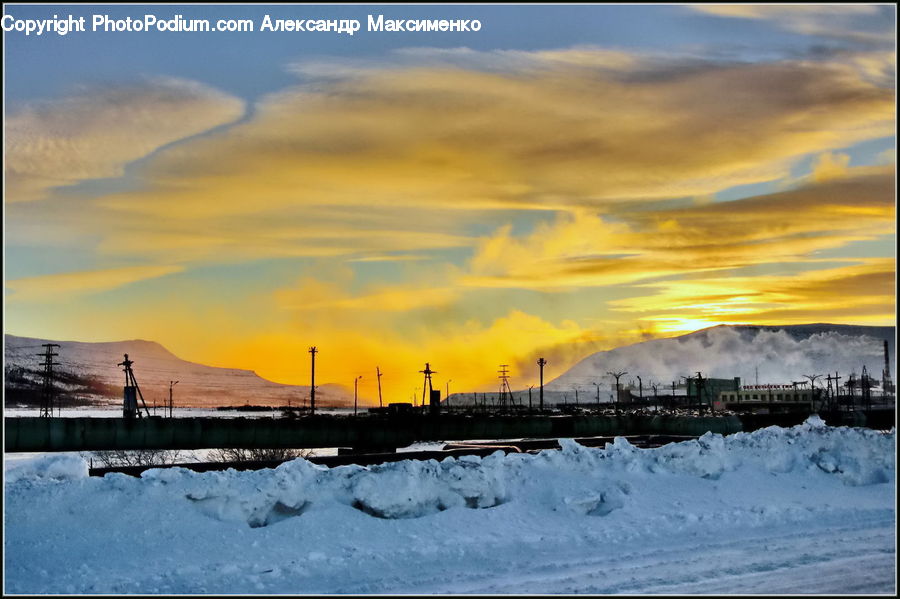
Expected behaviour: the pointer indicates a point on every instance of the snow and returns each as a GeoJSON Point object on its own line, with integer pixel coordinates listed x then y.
{"type": "Point", "coordinates": [807, 509]}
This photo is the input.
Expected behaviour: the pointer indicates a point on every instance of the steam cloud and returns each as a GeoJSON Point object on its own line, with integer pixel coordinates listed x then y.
{"type": "Point", "coordinates": [726, 352]}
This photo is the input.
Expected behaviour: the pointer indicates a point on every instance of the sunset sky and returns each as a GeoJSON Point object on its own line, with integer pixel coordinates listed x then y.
{"type": "Point", "coordinates": [568, 179]}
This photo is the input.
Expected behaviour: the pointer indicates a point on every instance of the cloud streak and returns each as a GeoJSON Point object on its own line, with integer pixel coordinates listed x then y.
{"type": "Point", "coordinates": [98, 131]}
{"type": "Point", "coordinates": [71, 285]}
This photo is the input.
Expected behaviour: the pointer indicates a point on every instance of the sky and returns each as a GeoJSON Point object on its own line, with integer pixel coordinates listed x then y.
{"type": "Point", "coordinates": [565, 180]}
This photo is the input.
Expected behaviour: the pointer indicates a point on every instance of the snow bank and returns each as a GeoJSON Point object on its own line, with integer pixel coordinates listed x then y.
{"type": "Point", "coordinates": [415, 489]}
{"type": "Point", "coordinates": [57, 468]}
{"type": "Point", "coordinates": [304, 521]}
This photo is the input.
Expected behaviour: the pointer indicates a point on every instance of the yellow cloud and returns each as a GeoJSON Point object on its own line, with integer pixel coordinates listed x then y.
{"type": "Point", "coordinates": [581, 249]}
{"type": "Point", "coordinates": [548, 135]}
{"type": "Point", "coordinates": [861, 293]}
{"type": "Point", "coordinates": [411, 157]}
{"type": "Point", "coordinates": [830, 166]}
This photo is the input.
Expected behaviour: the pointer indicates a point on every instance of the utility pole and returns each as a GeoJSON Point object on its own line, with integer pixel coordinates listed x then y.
{"type": "Point", "coordinates": [699, 393]}
{"type": "Point", "coordinates": [617, 375]}
{"type": "Point", "coordinates": [171, 403]}
{"type": "Point", "coordinates": [355, 392]}
{"type": "Point", "coordinates": [448, 393]}
{"type": "Point", "coordinates": [576, 397]}
{"type": "Point", "coordinates": [640, 390]}
{"type": "Point", "coordinates": [312, 383]}
{"type": "Point", "coordinates": [833, 391]}
{"type": "Point", "coordinates": [529, 397]}
{"type": "Point", "coordinates": [378, 371]}
{"type": "Point", "coordinates": [541, 363]}
{"type": "Point", "coordinates": [48, 391]}
{"type": "Point", "coordinates": [885, 374]}
{"type": "Point", "coordinates": [598, 395]}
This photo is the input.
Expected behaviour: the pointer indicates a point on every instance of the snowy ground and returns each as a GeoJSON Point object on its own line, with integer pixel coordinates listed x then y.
{"type": "Point", "coordinates": [810, 509]}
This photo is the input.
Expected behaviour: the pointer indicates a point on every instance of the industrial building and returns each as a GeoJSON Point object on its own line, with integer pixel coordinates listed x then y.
{"type": "Point", "coordinates": [768, 397]}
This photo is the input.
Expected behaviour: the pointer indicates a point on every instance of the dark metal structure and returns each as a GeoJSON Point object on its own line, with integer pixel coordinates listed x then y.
{"type": "Point", "coordinates": [48, 391]}
{"type": "Point", "coordinates": [312, 383]}
{"type": "Point", "coordinates": [426, 384]}
{"type": "Point", "coordinates": [541, 363]}
{"type": "Point", "coordinates": [130, 408]}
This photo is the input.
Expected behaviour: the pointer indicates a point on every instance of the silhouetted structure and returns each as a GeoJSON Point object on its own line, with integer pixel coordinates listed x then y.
{"type": "Point", "coordinates": [48, 391]}
{"type": "Point", "coordinates": [132, 392]}
{"type": "Point", "coordinates": [312, 383]}
{"type": "Point", "coordinates": [541, 363]}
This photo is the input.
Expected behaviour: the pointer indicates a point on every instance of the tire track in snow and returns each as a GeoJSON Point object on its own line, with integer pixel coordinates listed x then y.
{"type": "Point", "coordinates": [843, 560]}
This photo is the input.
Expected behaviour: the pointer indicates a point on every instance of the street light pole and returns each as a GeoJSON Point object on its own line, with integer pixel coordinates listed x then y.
{"type": "Point", "coordinates": [355, 393]}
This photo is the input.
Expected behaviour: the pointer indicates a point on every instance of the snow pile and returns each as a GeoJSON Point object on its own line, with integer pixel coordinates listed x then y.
{"type": "Point", "coordinates": [62, 467]}
{"type": "Point", "coordinates": [429, 526]}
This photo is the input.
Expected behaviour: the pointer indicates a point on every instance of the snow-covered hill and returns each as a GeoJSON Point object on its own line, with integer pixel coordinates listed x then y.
{"type": "Point", "coordinates": [155, 366]}
{"type": "Point", "coordinates": [779, 355]}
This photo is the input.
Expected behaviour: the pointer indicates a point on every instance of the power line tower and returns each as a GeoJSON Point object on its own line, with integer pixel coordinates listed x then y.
{"type": "Point", "coordinates": [48, 391]}
{"type": "Point", "coordinates": [312, 383]}
{"type": "Point", "coordinates": [132, 392]}
{"type": "Point", "coordinates": [427, 382]}
{"type": "Point", "coordinates": [541, 363]}
{"type": "Point", "coordinates": [505, 391]}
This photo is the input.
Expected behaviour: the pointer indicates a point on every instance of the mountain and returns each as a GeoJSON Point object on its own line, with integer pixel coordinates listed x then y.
{"type": "Point", "coordinates": [91, 371]}
{"type": "Point", "coordinates": [774, 354]}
